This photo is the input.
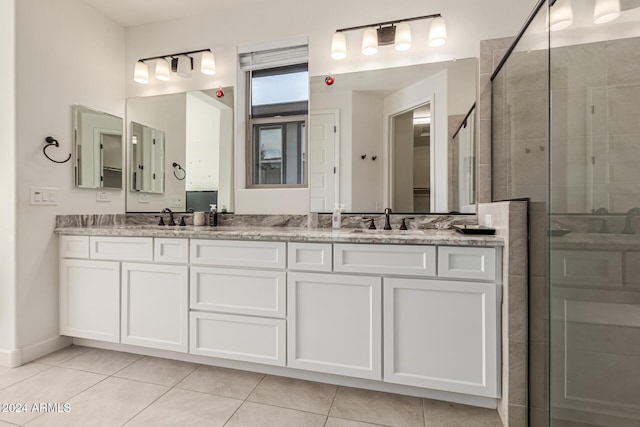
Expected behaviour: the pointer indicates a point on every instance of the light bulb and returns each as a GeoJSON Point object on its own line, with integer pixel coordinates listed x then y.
{"type": "Point", "coordinates": [141, 73]}
{"type": "Point", "coordinates": [208, 63]}
{"type": "Point", "coordinates": [606, 11]}
{"type": "Point", "coordinates": [403, 37]}
{"type": "Point", "coordinates": [437, 32]}
{"type": "Point", "coordinates": [370, 42]}
{"type": "Point", "coordinates": [561, 15]}
{"type": "Point", "coordinates": [338, 46]}
{"type": "Point", "coordinates": [163, 72]}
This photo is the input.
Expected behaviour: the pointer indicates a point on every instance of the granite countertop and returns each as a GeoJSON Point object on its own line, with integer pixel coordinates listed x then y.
{"type": "Point", "coordinates": [292, 234]}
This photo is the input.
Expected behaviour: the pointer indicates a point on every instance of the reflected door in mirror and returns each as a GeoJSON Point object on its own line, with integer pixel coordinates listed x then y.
{"type": "Point", "coordinates": [147, 159]}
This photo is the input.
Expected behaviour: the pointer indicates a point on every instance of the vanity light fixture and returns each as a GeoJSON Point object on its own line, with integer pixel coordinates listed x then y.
{"type": "Point", "coordinates": [560, 15]}
{"type": "Point", "coordinates": [397, 33]}
{"type": "Point", "coordinates": [606, 11]}
{"type": "Point", "coordinates": [179, 63]}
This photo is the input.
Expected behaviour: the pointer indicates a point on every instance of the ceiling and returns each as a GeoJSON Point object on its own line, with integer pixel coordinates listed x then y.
{"type": "Point", "coordinates": [129, 13]}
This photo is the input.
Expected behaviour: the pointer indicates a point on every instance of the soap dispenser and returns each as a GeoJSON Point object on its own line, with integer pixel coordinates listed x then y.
{"type": "Point", "coordinates": [213, 216]}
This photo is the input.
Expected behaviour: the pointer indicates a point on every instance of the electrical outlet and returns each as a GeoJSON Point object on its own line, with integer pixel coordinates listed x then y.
{"type": "Point", "coordinates": [488, 219]}
{"type": "Point", "coordinates": [43, 196]}
{"type": "Point", "coordinates": [143, 198]}
{"type": "Point", "coordinates": [176, 201]}
{"type": "Point", "coordinates": [103, 196]}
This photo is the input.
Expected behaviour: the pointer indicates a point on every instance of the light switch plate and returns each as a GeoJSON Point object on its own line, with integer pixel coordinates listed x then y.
{"type": "Point", "coordinates": [43, 196]}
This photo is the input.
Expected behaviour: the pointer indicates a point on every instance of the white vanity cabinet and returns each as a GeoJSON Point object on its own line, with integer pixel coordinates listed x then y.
{"type": "Point", "coordinates": [442, 335]}
{"type": "Point", "coordinates": [155, 306]}
{"type": "Point", "coordinates": [335, 324]}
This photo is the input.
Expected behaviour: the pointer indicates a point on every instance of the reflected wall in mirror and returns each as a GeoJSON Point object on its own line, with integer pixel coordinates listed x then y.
{"type": "Point", "coordinates": [147, 159]}
{"type": "Point", "coordinates": [198, 135]}
{"type": "Point", "coordinates": [98, 148]}
{"type": "Point", "coordinates": [373, 148]}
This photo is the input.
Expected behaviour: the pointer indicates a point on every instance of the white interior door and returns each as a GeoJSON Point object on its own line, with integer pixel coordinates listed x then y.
{"type": "Point", "coordinates": [323, 173]}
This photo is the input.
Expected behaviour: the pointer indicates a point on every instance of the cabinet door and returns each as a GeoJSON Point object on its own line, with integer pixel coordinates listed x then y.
{"type": "Point", "coordinates": [442, 335]}
{"type": "Point", "coordinates": [90, 299]}
{"type": "Point", "coordinates": [155, 306]}
{"type": "Point", "coordinates": [334, 324]}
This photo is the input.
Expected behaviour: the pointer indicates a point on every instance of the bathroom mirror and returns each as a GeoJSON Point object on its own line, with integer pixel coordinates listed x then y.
{"type": "Point", "coordinates": [393, 141]}
{"type": "Point", "coordinates": [193, 155]}
{"type": "Point", "coordinates": [98, 148]}
{"type": "Point", "coordinates": [147, 159]}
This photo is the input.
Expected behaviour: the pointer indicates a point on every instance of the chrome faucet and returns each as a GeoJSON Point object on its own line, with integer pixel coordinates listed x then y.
{"type": "Point", "coordinates": [387, 225]}
{"type": "Point", "coordinates": [628, 228]}
{"type": "Point", "coordinates": [171, 220]}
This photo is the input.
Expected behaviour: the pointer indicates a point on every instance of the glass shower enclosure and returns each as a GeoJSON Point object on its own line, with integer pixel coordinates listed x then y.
{"type": "Point", "coordinates": [566, 136]}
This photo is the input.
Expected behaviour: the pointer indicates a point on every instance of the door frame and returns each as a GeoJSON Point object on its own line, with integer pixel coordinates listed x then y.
{"type": "Point", "coordinates": [336, 149]}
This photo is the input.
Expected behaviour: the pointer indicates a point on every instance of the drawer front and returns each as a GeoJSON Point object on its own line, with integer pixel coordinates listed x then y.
{"type": "Point", "coordinates": [250, 339]}
{"type": "Point", "coordinates": [385, 259]}
{"type": "Point", "coordinates": [310, 256]}
{"type": "Point", "coordinates": [171, 250]}
{"type": "Point", "coordinates": [74, 246]}
{"type": "Point", "coordinates": [235, 253]}
{"type": "Point", "coordinates": [467, 263]}
{"type": "Point", "coordinates": [590, 268]}
{"type": "Point", "coordinates": [121, 248]}
{"type": "Point", "coordinates": [252, 292]}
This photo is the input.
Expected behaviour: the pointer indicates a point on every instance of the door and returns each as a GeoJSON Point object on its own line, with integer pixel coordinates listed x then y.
{"type": "Point", "coordinates": [334, 324]}
{"type": "Point", "coordinates": [155, 306]}
{"type": "Point", "coordinates": [323, 172]}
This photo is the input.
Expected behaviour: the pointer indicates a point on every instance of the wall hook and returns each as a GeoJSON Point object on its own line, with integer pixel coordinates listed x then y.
{"type": "Point", "coordinates": [52, 141]}
{"type": "Point", "coordinates": [184, 172]}
{"type": "Point", "coordinates": [374, 158]}
{"type": "Point", "coordinates": [364, 156]}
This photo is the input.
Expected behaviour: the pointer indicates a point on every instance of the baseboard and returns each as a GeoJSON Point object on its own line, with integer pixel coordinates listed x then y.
{"type": "Point", "coordinates": [10, 358]}
{"type": "Point", "coordinates": [45, 347]}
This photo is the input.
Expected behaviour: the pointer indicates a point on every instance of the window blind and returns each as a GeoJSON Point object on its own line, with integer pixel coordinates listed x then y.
{"type": "Point", "coordinates": [274, 58]}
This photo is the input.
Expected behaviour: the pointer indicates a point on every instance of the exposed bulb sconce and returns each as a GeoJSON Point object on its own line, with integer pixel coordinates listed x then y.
{"type": "Point", "coordinates": [179, 63]}
{"type": "Point", "coordinates": [606, 11]}
{"type": "Point", "coordinates": [397, 33]}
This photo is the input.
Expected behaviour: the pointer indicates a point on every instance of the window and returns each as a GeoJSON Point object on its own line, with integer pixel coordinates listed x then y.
{"type": "Point", "coordinates": [278, 106]}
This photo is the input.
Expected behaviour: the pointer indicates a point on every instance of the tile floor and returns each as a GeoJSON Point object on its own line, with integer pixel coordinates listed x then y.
{"type": "Point", "coordinates": [94, 387]}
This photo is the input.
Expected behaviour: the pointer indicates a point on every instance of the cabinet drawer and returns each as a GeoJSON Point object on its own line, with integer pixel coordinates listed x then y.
{"type": "Point", "coordinates": [236, 253]}
{"type": "Point", "coordinates": [590, 268]}
{"type": "Point", "coordinates": [253, 292]}
{"type": "Point", "coordinates": [171, 250]}
{"type": "Point", "coordinates": [74, 246]}
{"type": "Point", "coordinates": [250, 339]}
{"type": "Point", "coordinates": [309, 256]}
{"type": "Point", "coordinates": [121, 248]}
{"type": "Point", "coordinates": [385, 259]}
{"type": "Point", "coordinates": [467, 263]}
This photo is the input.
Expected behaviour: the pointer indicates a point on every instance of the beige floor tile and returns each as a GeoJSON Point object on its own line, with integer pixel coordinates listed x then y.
{"type": "Point", "coordinates": [111, 403]}
{"type": "Point", "coordinates": [55, 385]}
{"type": "Point", "coordinates": [258, 415]}
{"type": "Point", "coordinates": [446, 414]}
{"type": "Point", "coordinates": [377, 407]}
{"type": "Point", "coordinates": [339, 422]}
{"type": "Point", "coordinates": [187, 408]}
{"type": "Point", "coordinates": [294, 394]}
{"type": "Point", "coordinates": [3, 424]}
{"type": "Point", "coordinates": [63, 355]}
{"type": "Point", "coordinates": [105, 362]}
{"type": "Point", "coordinates": [158, 371]}
{"type": "Point", "coordinates": [9, 376]}
{"type": "Point", "coordinates": [221, 381]}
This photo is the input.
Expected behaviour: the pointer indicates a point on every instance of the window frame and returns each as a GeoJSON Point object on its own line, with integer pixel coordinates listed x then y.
{"type": "Point", "coordinates": [262, 119]}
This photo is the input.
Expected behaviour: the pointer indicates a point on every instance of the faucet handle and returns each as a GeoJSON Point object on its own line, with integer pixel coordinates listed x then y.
{"type": "Point", "coordinates": [372, 224]}
{"type": "Point", "coordinates": [182, 223]}
{"type": "Point", "coordinates": [161, 222]}
{"type": "Point", "coordinates": [403, 226]}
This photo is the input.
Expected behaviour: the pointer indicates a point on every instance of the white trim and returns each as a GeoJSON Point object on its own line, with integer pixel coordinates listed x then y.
{"type": "Point", "coordinates": [272, 44]}
{"type": "Point", "coordinates": [45, 347]}
{"type": "Point", "coordinates": [10, 358]}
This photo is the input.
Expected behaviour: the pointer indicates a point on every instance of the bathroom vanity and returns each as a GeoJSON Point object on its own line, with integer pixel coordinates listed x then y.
{"type": "Point", "coordinates": [415, 312]}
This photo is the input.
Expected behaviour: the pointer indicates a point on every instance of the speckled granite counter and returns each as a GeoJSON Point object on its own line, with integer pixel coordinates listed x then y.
{"type": "Point", "coordinates": [292, 234]}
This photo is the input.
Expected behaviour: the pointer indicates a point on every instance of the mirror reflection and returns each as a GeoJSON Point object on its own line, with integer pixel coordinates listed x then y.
{"type": "Point", "coordinates": [147, 159]}
{"type": "Point", "coordinates": [98, 148]}
{"type": "Point", "coordinates": [193, 155]}
{"type": "Point", "coordinates": [392, 145]}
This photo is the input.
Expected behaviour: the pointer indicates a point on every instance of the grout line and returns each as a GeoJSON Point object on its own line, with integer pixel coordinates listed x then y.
{"type": "Point", "coordinates": [245, 399]}
{"type": "Point", "coordinates": [30, 376]}
{"type": "Point", "coordinates": [333, 401]}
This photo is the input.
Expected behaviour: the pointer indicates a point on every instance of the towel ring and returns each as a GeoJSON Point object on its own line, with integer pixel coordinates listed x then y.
{"type": "Point", "coordinates": [52, 141]}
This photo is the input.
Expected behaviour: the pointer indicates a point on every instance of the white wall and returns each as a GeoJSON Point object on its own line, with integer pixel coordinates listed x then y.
{"type": "Point", "coordinates": [203, 143]}
{"type": "Point", "coordinates": [467, 23]}
{"type": "Point", "coordinates": [8, 354]}
{"type": "Point", "coordinates": [67, 53]}
{"type": "Point", "coordinates": [367, 139]}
